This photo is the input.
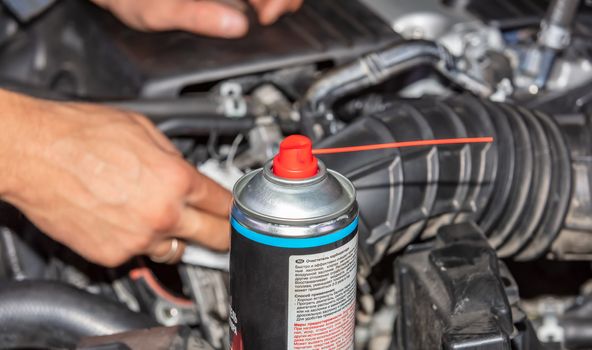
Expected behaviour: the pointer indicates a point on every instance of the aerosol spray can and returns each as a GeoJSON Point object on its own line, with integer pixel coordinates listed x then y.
{"type": "Point", "coordinates": [293, 255]}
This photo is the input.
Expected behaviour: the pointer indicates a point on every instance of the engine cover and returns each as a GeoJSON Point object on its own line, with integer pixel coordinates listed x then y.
{"type": "Point", "coordinates": [82, 50]}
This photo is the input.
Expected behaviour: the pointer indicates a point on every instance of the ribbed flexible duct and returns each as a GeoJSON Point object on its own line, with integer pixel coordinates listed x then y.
{"type": "Point", "coordinates": [531, 186]}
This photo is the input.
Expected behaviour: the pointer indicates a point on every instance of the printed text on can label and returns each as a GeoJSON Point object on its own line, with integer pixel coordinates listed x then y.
{"type": "Point", "coordinates": [322, 292]}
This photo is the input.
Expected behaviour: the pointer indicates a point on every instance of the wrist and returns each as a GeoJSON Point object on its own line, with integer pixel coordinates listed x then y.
{"type": "Point", "coordinates": [15, 140]}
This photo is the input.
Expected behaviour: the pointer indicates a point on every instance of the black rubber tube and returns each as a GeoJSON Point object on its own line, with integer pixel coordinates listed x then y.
{"type": "Point", "coordinates": [527, 190]}
{"type": "Point", "coordinates": [162, 108]}
{"type": "Point", "coordinates": [373, 69]}
{"type": "Point", "coordinates": [159, 109]}
{"type": "Point", "coordinates": [204, 126]}
{"type": "Point", "coordinates": [367, 71]}
{"type": "Point", "coordinates": [53, 314]}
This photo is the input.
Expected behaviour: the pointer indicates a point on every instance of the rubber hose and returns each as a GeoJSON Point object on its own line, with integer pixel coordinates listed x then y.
{"type": "Point", "coordinates": [204, 126]}
{"type": "Point", "coordinates": [369, 70]}
{"type": "Point", "coordinates": [53, 314]}
{"type": "Point", "coordinates": [528, 191]}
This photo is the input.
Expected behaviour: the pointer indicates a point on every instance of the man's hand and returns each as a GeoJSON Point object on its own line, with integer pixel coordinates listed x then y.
{"type": "Point", "coordinates": [223, 18]}
{"type": "Point", "coordinates": [270, 10]}
{"type": "Point", "coordinates": [104, 182]}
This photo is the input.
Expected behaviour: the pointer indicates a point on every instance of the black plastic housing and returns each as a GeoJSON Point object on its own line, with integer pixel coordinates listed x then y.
{"type": "Point", "coordinates": [458, 289]}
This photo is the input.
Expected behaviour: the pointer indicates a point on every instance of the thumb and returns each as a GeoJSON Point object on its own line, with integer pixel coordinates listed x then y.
{"type": "Point", "coordinates": [207, 18]}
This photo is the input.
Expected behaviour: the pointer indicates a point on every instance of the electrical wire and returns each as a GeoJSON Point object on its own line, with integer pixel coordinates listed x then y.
{"type": "Point", "coordinates": [144, 273]}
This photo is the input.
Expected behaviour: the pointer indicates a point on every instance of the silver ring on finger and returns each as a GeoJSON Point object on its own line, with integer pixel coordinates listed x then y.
{"type": "Point", "coordinates": [169, 256]}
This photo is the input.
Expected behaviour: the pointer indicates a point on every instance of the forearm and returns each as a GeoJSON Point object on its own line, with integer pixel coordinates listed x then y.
{"type": "Point", "coordinates": [13, 139]}
{"type": "Point", "coordinates": [25, 129]}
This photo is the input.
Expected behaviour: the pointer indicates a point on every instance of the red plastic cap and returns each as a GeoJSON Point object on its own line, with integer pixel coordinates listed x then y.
{"type": "Point", "coordinates": [295, 160]}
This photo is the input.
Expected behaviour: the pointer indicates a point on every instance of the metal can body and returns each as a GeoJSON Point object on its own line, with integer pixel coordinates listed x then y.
{"type": "Point", "coordinates": [293, 262]}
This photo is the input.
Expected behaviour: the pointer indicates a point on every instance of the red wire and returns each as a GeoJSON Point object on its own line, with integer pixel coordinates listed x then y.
{"type": "Point", "coordinates": [418, 143]}
{"type": "Point", "coordinates": [145, 273]}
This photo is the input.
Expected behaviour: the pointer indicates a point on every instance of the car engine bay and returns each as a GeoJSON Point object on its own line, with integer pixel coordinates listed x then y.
{"type": "Point", "coordinates": [460, 247]}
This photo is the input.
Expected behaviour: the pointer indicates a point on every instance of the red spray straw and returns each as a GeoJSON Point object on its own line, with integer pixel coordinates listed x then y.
{"type": "Point", "coordinates": [403, 144]}
{"type": "Point", "coordinates": [296, 158]}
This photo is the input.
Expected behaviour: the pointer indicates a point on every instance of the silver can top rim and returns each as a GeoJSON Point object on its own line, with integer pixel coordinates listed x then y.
{"type": "Point", "coordinates": [325, 177]}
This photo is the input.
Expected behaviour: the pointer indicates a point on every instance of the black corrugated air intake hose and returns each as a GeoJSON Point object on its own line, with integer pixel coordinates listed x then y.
{"type": "Point", "coordinates": [530, 190]}
{"type": "Point", "coordinates": [40, 314]}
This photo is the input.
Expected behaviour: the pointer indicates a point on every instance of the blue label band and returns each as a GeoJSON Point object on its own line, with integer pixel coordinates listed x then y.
{"type": "Point", "coordinates": [282, 242]}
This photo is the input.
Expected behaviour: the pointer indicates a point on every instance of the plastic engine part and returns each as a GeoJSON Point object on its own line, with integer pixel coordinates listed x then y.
{"type": "Point", "coordinates": [475, 306]}
{"type": "Point", "coordinates": [529, 191]}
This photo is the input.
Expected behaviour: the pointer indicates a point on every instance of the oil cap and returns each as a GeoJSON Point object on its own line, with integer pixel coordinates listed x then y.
{"type": "Point", "coordinates": [295, 159]}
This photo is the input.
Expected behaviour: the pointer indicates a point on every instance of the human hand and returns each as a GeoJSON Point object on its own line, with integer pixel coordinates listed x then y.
{"type": "Point", "coordinates": [270, 10]}
{"type": "Point", "coordinates": [105, 182]}
{"type": "Point", "coordinates": [207, 17]}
